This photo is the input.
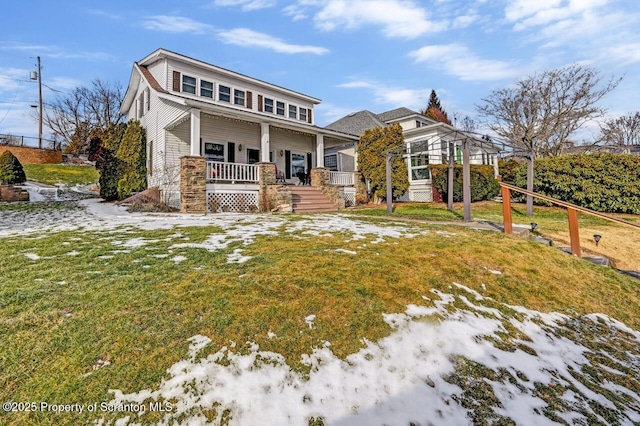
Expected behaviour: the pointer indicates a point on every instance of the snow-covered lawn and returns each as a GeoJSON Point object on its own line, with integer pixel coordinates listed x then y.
{"type": "Point", "coordinates": [423, 373]}
{"type": "Point", "coordinates": [458, 358]}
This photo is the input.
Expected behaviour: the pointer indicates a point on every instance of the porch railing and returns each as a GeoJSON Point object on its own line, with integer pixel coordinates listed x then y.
{"type": "Point", "coordinates": [232, 172]}
{"type": "Point", "coordinates": [341, 178]}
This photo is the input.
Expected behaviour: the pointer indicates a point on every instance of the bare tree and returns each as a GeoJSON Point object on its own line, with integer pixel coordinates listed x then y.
{"type": "Point", "coordinates": [621, 132]}
{"type": "Point", "coordinates": [541, 112]}
{"type": "Point", "coordinates": [72, 117]}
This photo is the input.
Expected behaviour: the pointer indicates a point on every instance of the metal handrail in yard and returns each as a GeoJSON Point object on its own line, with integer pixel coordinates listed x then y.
{"type": "Point", "coordinates": [572, 212]}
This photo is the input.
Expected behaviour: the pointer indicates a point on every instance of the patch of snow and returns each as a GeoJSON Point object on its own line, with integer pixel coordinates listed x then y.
{"type": "Point", "coordinates": [493, 271]}
{"type": "Point", "coordinates": [73, 253]}
{"type": "Point", "coordinates": [178, 259]}
{"type": "Point", "coordinates": [237, 257]}
{"type": "Point", "coordinates": [32, 256]}
{"type": "Point", "coordinates": [341, 250]}
{"type": "Point", "coordinates": [309, 320]}
{"type": "Point", "coordinates": [400, 379]}
{"type": "Point", "coordinates": [271, 334]}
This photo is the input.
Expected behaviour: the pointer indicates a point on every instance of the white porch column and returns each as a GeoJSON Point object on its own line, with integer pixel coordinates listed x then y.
{"type": "Point", "coordinates": [195, 132]}
{"type": "Point", "coordinates": [319, 151]}
{"type": "Point", "coordinates": [264, 142]}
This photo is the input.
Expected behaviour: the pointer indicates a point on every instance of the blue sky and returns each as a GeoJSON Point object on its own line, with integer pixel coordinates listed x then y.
{"type": "Point", "coordinates": [354, 55]}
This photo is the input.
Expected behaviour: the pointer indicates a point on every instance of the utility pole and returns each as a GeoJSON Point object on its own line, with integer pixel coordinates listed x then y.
{"type": "Point", "coordinates": [38, 76]}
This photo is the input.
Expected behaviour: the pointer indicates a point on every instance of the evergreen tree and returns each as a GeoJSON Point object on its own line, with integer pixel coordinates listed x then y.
{"type": "Point", "coordinates": [434, 109]}
{"type": "Point", "coordinates": [372, 149]}
{"type": "Point", "coordinates": [133, 155]}
{"type": "Point", "coordinates": [434, 101]}
{"type": "Point", "coordinates": [11, 170]}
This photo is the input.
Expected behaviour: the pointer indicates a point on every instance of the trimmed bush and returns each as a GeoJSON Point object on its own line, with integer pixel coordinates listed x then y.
{"type": "Point", "coordinates": [11, 170]}
{"type": "Point", "coordinates": [484, 185]}
{"type": "Point", "coordinates": [603, 182]}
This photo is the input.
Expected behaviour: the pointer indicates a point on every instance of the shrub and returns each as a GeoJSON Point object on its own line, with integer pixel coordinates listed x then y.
{"type": "Point", "coordinates": [132, 153]}
{"type": "Point", "coordinates": [508, 170]}
{"type": "Point", "coordinates": [484, 185]}
{"type": "Point", "coordinates": [11, 170]}
{"type": "Point", "coordinates": [603, 182]}
{"type": "Point", "coordinates": [372, 160]}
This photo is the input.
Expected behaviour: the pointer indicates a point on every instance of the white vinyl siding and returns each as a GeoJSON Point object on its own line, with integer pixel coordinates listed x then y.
{"type": "Point", "coordinates": [222, 130]}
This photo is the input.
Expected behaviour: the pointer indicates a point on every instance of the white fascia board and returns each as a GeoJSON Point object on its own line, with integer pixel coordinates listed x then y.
{"type": "Point", "coordinates": [132, 89]}
{"type": "Point", "coordinates": [163, 53]}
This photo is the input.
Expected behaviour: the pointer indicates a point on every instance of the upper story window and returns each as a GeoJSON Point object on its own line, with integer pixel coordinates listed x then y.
{"type": "Point", "coordinates": [188, 84]}
{"type": "Point", "coordinates": [224, 93]}
{"type": "Point", "coordinates": [420, 160]}
{"type": "Point", "coordinates": [206, 89]}
{"type": "Point", "coordinates": [293, 111]}
{"type": "Point", "coordinates": [280, 108]}
{"type": "Point", "coordinates": [303, 114]}
{"type": "Point", "coordinates": [238, 97]}
{"type": "Point", "coordinates": [268, 105]}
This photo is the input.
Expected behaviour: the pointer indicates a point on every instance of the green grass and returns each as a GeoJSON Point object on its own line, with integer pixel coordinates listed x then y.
{"type": "Point", "coordinates": [52, 174]}
{"type": "Point", "coordinates": [618, 242]}
{"type": "Point", "coordinates": [90, 297]}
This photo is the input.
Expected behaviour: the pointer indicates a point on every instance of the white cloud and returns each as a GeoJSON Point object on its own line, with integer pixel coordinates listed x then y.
{"type": "Point", "coordinates": [249, 38]}
{"type": "Point", "coordinates": [104, 14]}
{"type": "Point", "coordinates": [456, 59]}
{"type": "Point", "coordinates": [50, 51]}
{"type": "Point", "coordinates": [391, 96]}
{"type": "Point", "coordinates": [398, 18]}
{"type": "Point", "coordinates": [175, 24]}
{"type": "Point", "coordinates": [527, 13]}
{"type": "Point", "coordinates": [247, 5]}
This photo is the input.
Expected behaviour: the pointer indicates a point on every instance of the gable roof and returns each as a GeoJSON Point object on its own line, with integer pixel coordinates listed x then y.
{"type": "Point", "coordinates": [356, 123]}
{"type": "Point", "coordinates": [168, 54]}
{"type": "Point", "coordinates": [395, 114]}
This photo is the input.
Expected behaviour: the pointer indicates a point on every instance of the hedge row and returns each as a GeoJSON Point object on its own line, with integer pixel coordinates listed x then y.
{"type": "Point", "coordinates": [603, 182]}
{"type": "Point", "coordinates": [484, 185]}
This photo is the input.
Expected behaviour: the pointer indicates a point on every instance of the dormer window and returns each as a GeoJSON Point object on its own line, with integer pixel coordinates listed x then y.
{"type": "Point", "coordinates": [293, 111]}
{"type": "Point", "coordinates": [238, 97]}
{"type": "Point", "coordinates": [280, 108]}
{"type": "Point", "coordinates": [268, 105]}
{"type": "Point", "coordinates": [188, 84]}
{"type": "Point", "coordinates": [303, 114]}
{"type": "Point", "coordinates": [224, 93]}
{"type": "Point", "coordinates": [206, 89]}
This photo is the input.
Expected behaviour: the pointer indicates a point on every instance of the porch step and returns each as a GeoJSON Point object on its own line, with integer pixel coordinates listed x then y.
{"type": "Point", "coordinates": [307, 199]}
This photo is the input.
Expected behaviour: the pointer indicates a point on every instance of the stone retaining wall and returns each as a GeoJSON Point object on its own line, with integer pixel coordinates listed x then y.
{"type": "Point", "coordinates": [33, 155]}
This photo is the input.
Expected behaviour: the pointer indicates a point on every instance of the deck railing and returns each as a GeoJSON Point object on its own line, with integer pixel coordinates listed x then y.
{"type": "Point", "coordinates": [572, 213]}
{"type": "Point", "coordinates": [232, 172]}
{"type": "Point", "coordinates": [341, 178]}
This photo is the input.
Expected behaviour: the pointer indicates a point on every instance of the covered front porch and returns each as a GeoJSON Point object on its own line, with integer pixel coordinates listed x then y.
{"type": "Point", "coordinates": [240, 161]}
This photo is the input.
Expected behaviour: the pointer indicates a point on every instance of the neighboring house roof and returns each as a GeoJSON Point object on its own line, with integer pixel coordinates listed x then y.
{"type": "Point", "coordinates": [395, 114]}
{"type": "Point", "coordinates": [356, 123]}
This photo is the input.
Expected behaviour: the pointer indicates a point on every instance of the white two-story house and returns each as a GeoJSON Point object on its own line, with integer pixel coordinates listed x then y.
{"type": "Point", "coordinates": [427, 142]}
{"type": "Point", "coordinates": [190, 108]}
